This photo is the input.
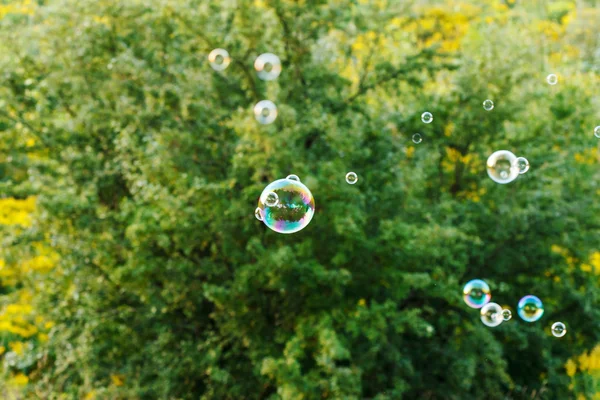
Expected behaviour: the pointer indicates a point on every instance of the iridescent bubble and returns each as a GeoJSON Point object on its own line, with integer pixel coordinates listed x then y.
{"type": "Point", "coordinates": [268, 66]}
{"type": "Point", "coordinates": [552, 79]}
{"type": "Point", "coordinates": [351, 178]}
{"type": "Point", "coordinates": [272, 199]}
{"type": "Point", "coordinates": [258, 214]}
{"type": "Point", "coordinates": [293, 177]}
{"type": "Point", "coordinates": [476, 293]}
{"type": "Point", "coordinates": [488, 105]}
{"type": "Point", "coordinates": [427, 117]}
{"type": "Point", "coordinates": [522, 164]}
{"type": "Point", "coordinates": [501, 166]}
{"type": "Point", "coordinates": [293, 211]}
{"type": "Point", "coordinates": [219, 59]}
{"type": "Point", "coordinates": [559, 329]}
{"type": "Point", "coordinates": [417, 138]}
{"type": "Point", "coordinates": [597, 131]}
{"type": "Point", "coordinates": [265, 112]}
{"type": "Point", "coordinates": [506, 314]}
{"type": "Point", "coordinates": [530, 308]}
{"type": "Point", "coordinates": [491, 314]}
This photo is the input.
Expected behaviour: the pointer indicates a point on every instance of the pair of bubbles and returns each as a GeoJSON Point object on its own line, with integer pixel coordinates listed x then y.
{"type": "Point", "coordinates": [268, 68]}
{"type": "Point", "coordinates": [504, 167]}
{"type": "Point", "coordinates": [477, 294]}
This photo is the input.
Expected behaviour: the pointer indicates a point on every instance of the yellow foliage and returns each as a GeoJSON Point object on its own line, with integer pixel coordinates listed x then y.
{"type": "Point", "coordinates": [17, 347]}
{"type": "Point", "coordinates": [588, 157]}
{"type": "Point", "coordinates": [117, 380]}
{"type": "Point", "coordinates": [20, 379]}
{"type": "Point", "coordinates": [24, 7]}
{"type": "Point", "coordinates": [16, 212]}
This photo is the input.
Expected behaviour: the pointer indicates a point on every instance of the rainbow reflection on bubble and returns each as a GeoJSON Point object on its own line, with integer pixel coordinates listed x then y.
{"type": "Point", "coordinates": [476, 293]}
{"type": "Point", "coordinates": [293, 211]}
{"type": "Point", "coordinates": [530, 308]}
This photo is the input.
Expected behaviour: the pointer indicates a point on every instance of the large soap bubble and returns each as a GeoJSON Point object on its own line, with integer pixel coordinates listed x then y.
{"type": "Point", "coordinates": [293, 210]}
{"type": "Point", "coordinates": [476, 293]}
{"type": "Point", "coordinates": [501, 166]}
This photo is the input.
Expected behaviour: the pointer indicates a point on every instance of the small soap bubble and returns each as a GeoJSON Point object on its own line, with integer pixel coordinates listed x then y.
{"type": "Point", "coordinates": [530, 308]}
{"type": "Point", "coordinates": [501, 167]}
{"type": "Point", "coordinates": [351, 178]}
{"type": "Point", "coordinates": [488, 105]}
{"type": "Point", "coordinates": [219, 59]}
{"type": "Point", "coordinates": [559, 329]}
{"type": "Point", "coordinates": [506, 314]}
{"type": "Point", "coordinates": [597, 131]}
{"type": "Point", "coordinates": [294, 210]}
{"type": "Point", "coordinates": [268, 66]}
{"type": "Point", "coordinates": [258, 214]}
{"type": "Point", "coordinates": [265, 112]}
{"type": "Point", "coordinates": [427, 117]}
{"type": "Point", "coordinates": [272, 199]}
{"type": "Point", "coordinates": [476, 293]}
{"type": "Point", "coordinates": [491, 314]}
{"type": "Point", "coordinates": [293, 178]}
{"type": "Point", "coordinates": [552, 79]}
{"type": "Point", "coordinates": [522, 164]}
{"type": "Point", "coordinates": [417, 138]}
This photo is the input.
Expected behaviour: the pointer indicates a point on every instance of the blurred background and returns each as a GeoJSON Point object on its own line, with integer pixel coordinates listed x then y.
{"type": "Point", "coordinates": [131, 263]}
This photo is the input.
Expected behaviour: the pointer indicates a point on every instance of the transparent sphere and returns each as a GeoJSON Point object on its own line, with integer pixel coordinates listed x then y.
{"type": "Point", "coordinates": [501, 167]}
{"type": "Point", "coordinates": [476, 293]}
{"type": "Point", "coordinates": [272, 199]}
{"type": "Point", "coordinates": [530, 308]}
{"type": "Point", "coordinates": [258, 214]}
{"type": "Point", "coordinates": [265, 112]}
{"type": "Point", "coordinates": [552, 79]}
{"type": "Point", "coordinates": [491, 314]}
{"type": "Point", "coordinates": [597, 131]}
{"type": "Point", "coordinates": [522, 164]}
{"type": "Point", "coordinates": [506, 314]}
{"type": "Point", "coordinates": [219, 59]}
{"type": "Point", "coordinates": [293, 211]}
{"type": "Point", "coordinates": [417, 138]}
{"type": "Point", "coordinates": [267, 66]}
{"type": "Point", "coordinates": [559, 329]}
{"type": "Point", "coordinates": [351, 178]}
{"type": "Point", "coordinates": [427, 117]}
{"type": "Point", "coordinates": [293, 177]}
{"type": "Point", "coordinates": [488, 105]}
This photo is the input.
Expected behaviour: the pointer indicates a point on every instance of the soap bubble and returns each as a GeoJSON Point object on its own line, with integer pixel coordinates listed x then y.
{"type": "Point", "coordinates": [427, 117]}
{"type": "Point", "coordinates": [219, 59]}
{"type": "Point", "coordinates": [417, 138]}
{"type": "Point", "coordinates": [265, 111]}
{"type": "Point", "coordinates": [597, 131]}
{"type": "Point", "coordinates": [476, 293]}
{"type": "Point", "coordinates": [488, 105]}
{"type": "Point", "coordinates": [351, 178]}
{"type": "Point", "coordinates": [552, 79]}
{"type": "Point", "coordinates": [559, 329]}
{"type": "Point", "coordinates": [501, 166]}
{"type": "Point", "coordinates": [293, 211]}
{"type": "Point", "coordinates": [293, 177]}
{"type": "Point", "coordinates": [530, 308]}
{"type": "Point", "coordinates": [506, 314]}
{"type": "Point", "coordinates": [268, 66]}
{"type": "Point", "coordinates": [491, 314]}
{"type": "Point", "coordinates": [258, 214]}
{"type": "Point", "coordinates": [522, 164]}
{"type": "Point", "coordinates": [272, 199]}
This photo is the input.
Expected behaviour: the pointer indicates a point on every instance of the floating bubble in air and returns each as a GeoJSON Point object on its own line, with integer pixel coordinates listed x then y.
{"type": "Point", "coordinates": [552, 79]}
{"type": "Point", "coordinates": [597, 131]}
{"type": "Point", "coordinates": [488, 105]}
{"type": "Point", "coordinates": [559, 329]}
{"type": "Point", "coordinates": [417, 138]}
{"type": "Point", "coordinates": [501, 166]}
{"type": "Point", "coordinates": [258, 214]}
{"type": "Point", "coordinates": [476, 293]}
{"type": "Point", "coordinates": [293, 177]}
{"type": "Point", "coordinates": [427, 117]}
{"type": "Point", "coordinates": [219, 59]}
{"type": "Point", "coordinates": [294, 209]}
{"type": "Point", "coordinates": [265, 112]}
{"type": "Point", "coordinates": [351, 178]}
{"type": "Point", "coordinates": [268, 66]}
{"type": "Point", "coordinates": [522, 165]}
{"type": "Point", "coordinates": [530, 308]}
{"type": "Point", "coordinates": [272, 199]}
{"type": "Point", "coordinates": [491, 314]}
{"type": "Point", "coordinates": [506, 314]}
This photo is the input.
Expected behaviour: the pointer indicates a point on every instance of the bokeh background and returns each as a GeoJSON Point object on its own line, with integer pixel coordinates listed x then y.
{"type": "Point", "coordinates": [131, 264]}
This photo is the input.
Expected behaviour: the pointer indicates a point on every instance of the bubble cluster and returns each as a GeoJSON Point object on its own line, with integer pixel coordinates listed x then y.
{"type": "Point", "coordinates": [522, 165]}
{"type": "Point", "coordinates": [558, 329]}
{"type": "Point", "coordinates": [219, 59]}
{"type": "Point", "coordinates": [417, 138]}
{"type": "Point", "coordinates": [488, 105]}
{"type": "Point", "coordinates": [506, 314]}
{"type": "Point", "coordinates": [294, 209]}
{"type": "Point", "coordinates": [530, 308]}
{"type": "Point", "coordinates": [501, 166]}
{"type": "Point", "coordinates": [267, 66]}
{"type": "Point", "coordinates": [552, 79]}
{"type": "Point", "coordinates": [476, 293]}
{"type": "Point", "coordinates": [597, 131]}
{"type": "Point", "coordinates": [265, 112]}
{"type": "Point", "coordinates": [351, 178]}
{"type": "Point", "coordinates": [427, 117]}
{"type": "Point", "coordinates": [491, 314]}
